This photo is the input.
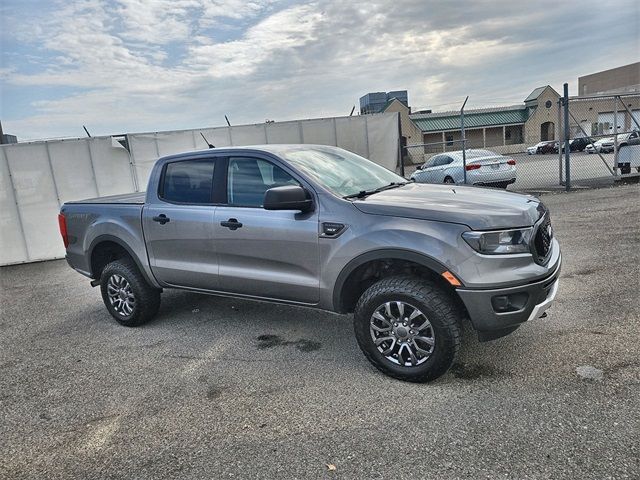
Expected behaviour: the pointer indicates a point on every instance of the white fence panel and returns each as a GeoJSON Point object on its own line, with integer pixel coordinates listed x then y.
{"type": "Point", "coordinates": [284, 132]}
{"type": "Point", "coordinates": [218, 137]}
{"type": "Point", "coordinates": [175, 142]}
{"type": "Point", "coordinates": [144, 152]}
{"type": "Point", "coordinates": [112, 166]}
{"type": "Point", "coordinates": [352, 135]}
{"type": "Point", "coordinates": [72, 170]}
{"type": "Point", "coordinates": [248, 135]}
{"type": "Point", "coordinates": [13, 248]}
{"type": "Point", "coordinates": [37, 199]}
{"type": "Point", "coordinates": [383, 147]}
{"type": "Point", "coordinates": [321, 131]}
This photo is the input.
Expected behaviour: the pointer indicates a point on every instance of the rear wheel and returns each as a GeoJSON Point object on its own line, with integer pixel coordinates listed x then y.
{"type": "Point", "coordinates": [448, 180]}
{"type": "Point", "coordinates": [127, 295]}
{"type": "Point", "coordinates": [408, 328]}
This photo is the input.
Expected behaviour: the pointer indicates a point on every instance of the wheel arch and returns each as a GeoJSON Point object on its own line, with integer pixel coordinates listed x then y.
{"type": "Point", "coordinates": [348, 286]}
{"type": "Point", "coordinates": [106, 241]}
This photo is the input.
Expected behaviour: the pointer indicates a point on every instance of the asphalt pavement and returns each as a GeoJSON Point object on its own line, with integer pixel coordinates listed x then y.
{"type": "Point", "coordinates": [223, 388]}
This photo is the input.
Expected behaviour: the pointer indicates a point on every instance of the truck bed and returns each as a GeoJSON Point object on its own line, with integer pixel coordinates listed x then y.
{"type": "Point", "coordinates": [136, 198]}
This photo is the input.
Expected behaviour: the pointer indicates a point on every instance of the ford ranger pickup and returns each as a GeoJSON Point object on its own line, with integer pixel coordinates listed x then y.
{"type": "Point", "coordinates": [321, 227]}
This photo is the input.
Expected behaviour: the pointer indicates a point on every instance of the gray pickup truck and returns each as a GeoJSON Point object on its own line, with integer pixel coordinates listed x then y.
{"type": "Point", "coordinates": [321, 227]}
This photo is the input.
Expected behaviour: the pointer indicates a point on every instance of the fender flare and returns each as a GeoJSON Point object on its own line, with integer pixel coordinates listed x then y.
{"type": "Point", "coordinates": [110, 238]}
{"type": "Point", "coordinates": [385, 253]}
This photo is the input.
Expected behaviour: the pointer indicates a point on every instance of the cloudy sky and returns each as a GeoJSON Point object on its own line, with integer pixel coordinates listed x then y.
{"type": "Point", "coordinates": [147, 65]}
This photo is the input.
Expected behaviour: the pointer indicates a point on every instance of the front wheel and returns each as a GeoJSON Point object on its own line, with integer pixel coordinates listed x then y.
{"type": "Point", "coordinates": [408, 328]}
{"type": "Point", "coordinates": [127, 295]}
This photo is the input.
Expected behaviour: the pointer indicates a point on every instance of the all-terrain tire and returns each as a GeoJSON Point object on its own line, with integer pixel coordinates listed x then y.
{"type": "Point", "coordinates": [437, 305]}
{"type": "Point", "coordinates": [146, 299]}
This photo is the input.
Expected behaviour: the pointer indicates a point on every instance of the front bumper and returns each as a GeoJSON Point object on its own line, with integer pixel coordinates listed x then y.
{"type": "Point", "coordinates": [531, 300]}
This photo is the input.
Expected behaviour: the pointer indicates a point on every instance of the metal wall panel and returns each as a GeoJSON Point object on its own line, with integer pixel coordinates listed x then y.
{"type": "Point", "coordinates": [112, 166]}
{"type": "Point", "coordinates": [37, 199]}
{"type": "Point", "coordinates": [12, 245]}
{"type": "Point", "coordinates": [72, 170]}
{"type": "Point", "coordinates": [320, 132]}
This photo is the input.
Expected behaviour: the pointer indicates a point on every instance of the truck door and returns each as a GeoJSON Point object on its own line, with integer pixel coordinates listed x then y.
{"type": "Point", "coordinates": [178, 226]}
{"type": "Point", "coordinates": [265, 253]}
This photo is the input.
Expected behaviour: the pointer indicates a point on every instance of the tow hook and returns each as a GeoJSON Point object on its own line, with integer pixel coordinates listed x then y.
{"type": "Point", "coordinates": [94, 283]}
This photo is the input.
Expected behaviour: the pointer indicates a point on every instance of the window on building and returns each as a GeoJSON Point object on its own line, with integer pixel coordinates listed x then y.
{"type": "Point", "coordinates": [449, 139]}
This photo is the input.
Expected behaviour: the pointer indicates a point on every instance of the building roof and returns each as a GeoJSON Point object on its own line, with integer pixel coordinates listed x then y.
{"type": "Point", "coordinates": [389, 102]}
{"type": "Point", "coordinates": [535, 94]}
{"type": "Point", "coordinates": [485, 117]}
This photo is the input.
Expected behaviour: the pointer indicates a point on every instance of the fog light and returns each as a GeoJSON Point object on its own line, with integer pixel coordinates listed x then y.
{"type": "Point", "coordinates": [500, 303]}
{"type": "Point", "coordinates": [509, 303]}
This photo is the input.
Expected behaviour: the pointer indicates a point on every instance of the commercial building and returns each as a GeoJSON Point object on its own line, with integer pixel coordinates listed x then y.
{"type": "Point", "coordinates": [625, 79]}
{"type": "Point", "coordinates": [376, 102]}
{"type": "Point", "coordinates": [506, 129]}
{"type": "Point", "coordinates": [609, 101]}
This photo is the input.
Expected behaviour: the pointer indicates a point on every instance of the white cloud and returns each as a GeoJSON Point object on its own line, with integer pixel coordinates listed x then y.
{"type": "Point", "coordinates": [280, 32]}
{"type": "Point", "coordinates": [152, 64]}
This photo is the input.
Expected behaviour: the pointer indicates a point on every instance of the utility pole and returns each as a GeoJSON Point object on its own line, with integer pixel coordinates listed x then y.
{"type": "Point", "coordinates": [1, 134]}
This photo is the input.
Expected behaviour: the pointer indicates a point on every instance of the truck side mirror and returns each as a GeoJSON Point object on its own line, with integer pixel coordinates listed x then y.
{"type": "Point", "coordinates": [288, 197]}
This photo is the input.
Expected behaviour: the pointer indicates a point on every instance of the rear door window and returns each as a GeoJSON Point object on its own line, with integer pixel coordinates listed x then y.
{"type": "Point", "coordinates": [188, 181]}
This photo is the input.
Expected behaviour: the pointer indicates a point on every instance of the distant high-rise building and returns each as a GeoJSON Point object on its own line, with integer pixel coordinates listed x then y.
{"type": "Point", "coordinates": [375, 102]}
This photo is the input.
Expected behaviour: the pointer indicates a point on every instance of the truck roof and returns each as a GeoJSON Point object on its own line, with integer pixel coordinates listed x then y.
{"type": "Point", "coordinates": [274, 148]}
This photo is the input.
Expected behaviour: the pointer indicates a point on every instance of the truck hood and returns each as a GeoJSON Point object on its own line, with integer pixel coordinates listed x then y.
{"type": "Point", "coordinates": [478, 208]}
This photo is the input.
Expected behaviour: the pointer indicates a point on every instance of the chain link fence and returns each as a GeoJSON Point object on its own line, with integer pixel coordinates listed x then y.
{"type": "Point", "coordinates": [601, 133]}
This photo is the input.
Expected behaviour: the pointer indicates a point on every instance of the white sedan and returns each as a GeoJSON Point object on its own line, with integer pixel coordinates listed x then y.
{"type": "Point", "coordinates": [483, 168]}
{"type": "Point", "coordinates": [604, 145]}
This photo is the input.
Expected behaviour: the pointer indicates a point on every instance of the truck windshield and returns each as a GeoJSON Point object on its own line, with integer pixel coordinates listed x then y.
{"type": "Point", "coordinates": [341, 172]}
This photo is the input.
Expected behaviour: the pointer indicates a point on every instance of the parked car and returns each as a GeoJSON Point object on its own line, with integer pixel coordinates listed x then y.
{"type": "Point", "coordinates": [607, 145]}
{"type": "Point", "coordinates": [320, 227]}
{"type": "Point", "coordinates": [623, 138]}
{"type": "Point", "coordinates": [543, 147]}
{"type": "Point", "coordinates": [604, 145]}
{"type": "Point", "coordinates": [550, 147]}
{"type": "Point", "coordinates": [483, 168]}
{"type": "Point", "coordinates": [534, 149]}
{"type": "Point", "coordinates": [578, 144]}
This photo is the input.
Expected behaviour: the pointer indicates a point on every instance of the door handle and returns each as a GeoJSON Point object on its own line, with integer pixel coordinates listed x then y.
{"type": "Point", "coordinates": [161, 219]}
{"type": "Point", "coordinates": [231, 224]}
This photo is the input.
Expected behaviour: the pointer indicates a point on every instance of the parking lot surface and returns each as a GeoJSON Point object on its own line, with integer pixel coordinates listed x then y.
{"type": "Point", "coordinates": [224, 388]}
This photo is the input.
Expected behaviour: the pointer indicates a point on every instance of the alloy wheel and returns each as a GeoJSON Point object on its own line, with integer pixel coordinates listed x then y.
{"type": "Point", "coordinates": [121, 295]}
{"type": "Point", "coordinates": [402, 333]}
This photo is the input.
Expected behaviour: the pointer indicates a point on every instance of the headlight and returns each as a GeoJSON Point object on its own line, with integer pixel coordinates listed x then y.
{"type": "Point", "coordinates": [500, 241]}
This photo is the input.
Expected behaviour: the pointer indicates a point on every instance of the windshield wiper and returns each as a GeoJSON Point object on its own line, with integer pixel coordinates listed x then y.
{"type": "Point", "coordinates": [364, 193]}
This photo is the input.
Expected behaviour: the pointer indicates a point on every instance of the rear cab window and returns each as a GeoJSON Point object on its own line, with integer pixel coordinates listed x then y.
{"type": "Point", "coordinates": [188, 182]}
